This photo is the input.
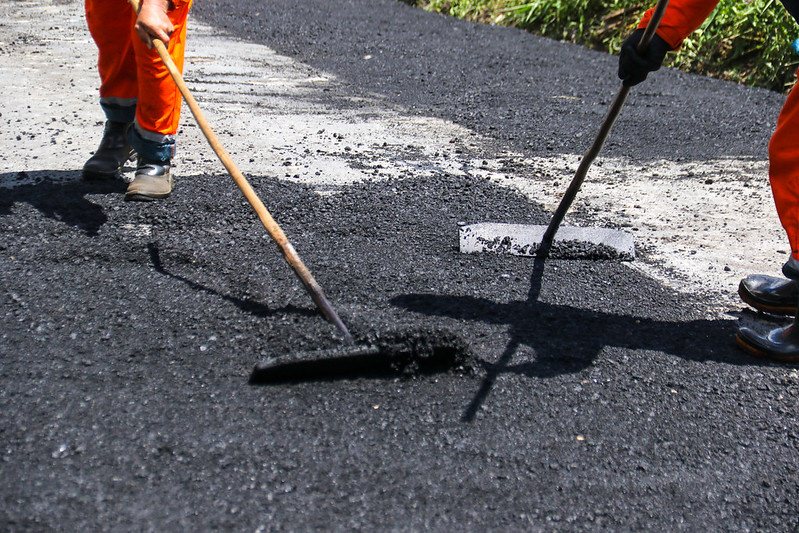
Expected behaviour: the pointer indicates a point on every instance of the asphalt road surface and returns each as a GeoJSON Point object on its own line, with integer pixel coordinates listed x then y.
{"type": "Point", "coordinates": [593, 395]}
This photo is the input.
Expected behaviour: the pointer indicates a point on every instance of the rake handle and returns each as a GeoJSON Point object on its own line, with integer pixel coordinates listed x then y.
{"type": "Point", "coordinates": [270, 224]}
{"type": "Point", "coordinates": [596, 147]}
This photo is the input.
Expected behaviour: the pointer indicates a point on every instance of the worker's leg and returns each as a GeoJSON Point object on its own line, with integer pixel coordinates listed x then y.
{"type": "Point", "coordinates": [158, 111]}
{"type": "Point", "coordinates": [109, 22]}
{"type": "Point", "coordinates": [784, 169]}
{"type": "Point", "coordinates": [782, 344]}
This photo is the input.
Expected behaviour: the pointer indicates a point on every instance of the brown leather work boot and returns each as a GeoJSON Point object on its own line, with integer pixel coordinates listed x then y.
{"type": "Point", "coordinates": [153, 181]}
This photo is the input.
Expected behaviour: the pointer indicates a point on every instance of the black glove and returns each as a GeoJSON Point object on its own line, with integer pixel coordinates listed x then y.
{"type": "Point", "coordinates": [634, 67]}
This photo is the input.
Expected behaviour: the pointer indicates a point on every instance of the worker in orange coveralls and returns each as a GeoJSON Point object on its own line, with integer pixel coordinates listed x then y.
{"type": "Point", "coordinates": [765, 293]}
{"type": "Point", "coordinates": [137, 94]}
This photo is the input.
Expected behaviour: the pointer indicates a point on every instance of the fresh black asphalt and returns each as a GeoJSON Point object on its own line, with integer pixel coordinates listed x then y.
{"type": "Point", "coordinates": [595, 397]}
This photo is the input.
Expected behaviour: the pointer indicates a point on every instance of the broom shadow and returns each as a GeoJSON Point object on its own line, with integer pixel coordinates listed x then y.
{"type": "Point", "coordinates": [318, 366]}
{"type": "Point", "coordinates": [568, 339]}
{"type": "Point", "coordinates": [245, 304]}
{"type": "Point", "coordinates": [493, 371]}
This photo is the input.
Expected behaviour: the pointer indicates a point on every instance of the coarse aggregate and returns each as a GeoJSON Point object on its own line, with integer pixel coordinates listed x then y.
{"type": "Point", "coordinates": [598, 398]}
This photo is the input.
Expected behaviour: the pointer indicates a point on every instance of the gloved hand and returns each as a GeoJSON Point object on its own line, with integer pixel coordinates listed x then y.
{"type": "Point", "coordinates": [633, 67]}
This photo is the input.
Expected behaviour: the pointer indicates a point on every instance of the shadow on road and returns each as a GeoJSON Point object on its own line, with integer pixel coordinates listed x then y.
{"type": "Point", "coordinates": [245, 304]}
{"type": "Point", "coordinates": [568, 339]}
{"type": "Point", "coordinates": [59, 195]}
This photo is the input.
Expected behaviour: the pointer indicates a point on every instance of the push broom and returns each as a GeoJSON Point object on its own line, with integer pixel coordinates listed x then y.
{"type": "Point", "coordinates": [399, 352]}
{"type": "Point", "coordinates": [572, 242]}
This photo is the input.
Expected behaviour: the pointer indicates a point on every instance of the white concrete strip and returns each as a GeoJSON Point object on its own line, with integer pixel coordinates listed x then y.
{"type": "Point", "coordinates": [698, 225]}
{"type": "Point", "coordinates": [524, 239]}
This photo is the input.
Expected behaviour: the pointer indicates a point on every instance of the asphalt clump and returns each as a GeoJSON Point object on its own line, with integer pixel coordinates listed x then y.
{"type": "Point", "coordinates": [405, 353]}
{"type": "Point", "coordinates": [561, 249]}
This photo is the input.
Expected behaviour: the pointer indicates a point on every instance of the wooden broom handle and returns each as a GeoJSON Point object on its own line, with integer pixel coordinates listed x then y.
{"type": "Point", "coordinates": [596, 147]}
{"type": "Point", "coordinates": [272, 227]}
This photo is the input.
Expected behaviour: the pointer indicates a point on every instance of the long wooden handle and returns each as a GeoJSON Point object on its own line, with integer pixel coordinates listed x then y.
{"type": "Point", "coordinates": [272, 227]}
{"type": "Point", "coordinates": [593, 152]}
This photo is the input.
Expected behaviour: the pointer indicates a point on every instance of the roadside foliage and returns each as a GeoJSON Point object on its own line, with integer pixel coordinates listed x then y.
{"type": "Point", "coordinates": [748, 42]}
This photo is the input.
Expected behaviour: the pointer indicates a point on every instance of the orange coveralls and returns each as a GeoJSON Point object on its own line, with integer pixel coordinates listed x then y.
{"type": "Point", "coordinates": [135, 83]}
{"type": "Point", "coordinates": [682, 17]}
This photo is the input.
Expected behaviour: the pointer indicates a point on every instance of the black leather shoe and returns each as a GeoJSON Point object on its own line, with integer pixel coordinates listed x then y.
{"type": "Point", "coordinates": [791, 269]}
{"type": "Point", "coordinates": [780, 344]}
{"type": "Point", "coordinates": [770, 294]}
{"type": "Point", "coordinates": [112, 153]}
{"type": "Point", "coordinates": [153, 181]}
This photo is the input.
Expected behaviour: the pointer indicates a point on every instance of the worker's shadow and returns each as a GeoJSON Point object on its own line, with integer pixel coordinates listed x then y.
{"type": "Point", "coordinates": [568, 339]}
{"type": "Point", "coordinates": [60, 195]}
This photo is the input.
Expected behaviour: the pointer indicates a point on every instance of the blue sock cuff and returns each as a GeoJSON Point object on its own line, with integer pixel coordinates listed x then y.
{"type": "Point", "coordinates": [162, 151]}
{"type": "Point", "coordinates": [117, 112]}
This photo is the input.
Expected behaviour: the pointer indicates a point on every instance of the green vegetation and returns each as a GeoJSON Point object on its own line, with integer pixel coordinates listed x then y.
{"type": "Point", "coordinates": [747, 41]}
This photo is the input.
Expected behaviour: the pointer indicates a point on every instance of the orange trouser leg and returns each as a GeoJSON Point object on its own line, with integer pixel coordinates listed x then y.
{"type": "Point", "coordinates": [109, 23]}
{"type": "Point", "coordinates": [158, 107]}
{"type": "Point", "coordinates": [784, 168]}
{"type": "Point", "coordinates": [135, 83]}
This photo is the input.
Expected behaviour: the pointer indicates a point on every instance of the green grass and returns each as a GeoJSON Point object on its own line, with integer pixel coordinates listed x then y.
{"type": "Point", "coordinates": [744, 41]}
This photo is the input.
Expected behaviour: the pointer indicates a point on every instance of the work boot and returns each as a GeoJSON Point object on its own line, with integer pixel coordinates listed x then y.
{"type": "Point", "coordinates": [770, 294]}
{"type": "Point", "coordinates": [113, 152]}
{"type": "Point", "coordinates": [780, 344]}
{"type": "Point", "coordinates": [791, 269]}
{"type": "Point", "coordinates": [153, 180]}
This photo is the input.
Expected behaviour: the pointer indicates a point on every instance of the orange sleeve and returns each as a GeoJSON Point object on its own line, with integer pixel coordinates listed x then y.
{"type": "Point", "coordinates": [682, 17]}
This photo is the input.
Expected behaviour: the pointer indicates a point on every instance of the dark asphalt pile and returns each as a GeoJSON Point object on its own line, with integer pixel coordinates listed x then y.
{"type": "Point", "coordinates": [574, 249]}
{"type": "Point", "coordinates": [406, 353]}
{"type": "Point", "coordinates": [597, 399]}
{"type": "Point", "coordinates": [562, 249]}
